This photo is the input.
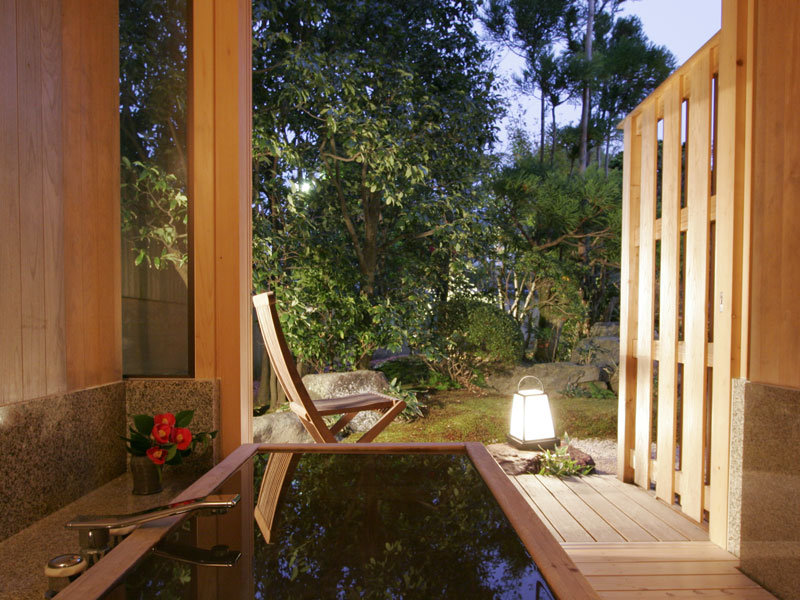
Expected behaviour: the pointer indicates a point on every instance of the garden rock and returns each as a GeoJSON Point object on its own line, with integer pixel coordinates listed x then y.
{"type": "Point", "coordinates": [580, 457]}
{"type": "Point", "coordinates": [280, 428]}
{"type": "Point", "coordinates": [513, 461]}
{"type": "Point", "coordinates": [364, 421]}
{"type": "Point", "coordinates": [602, 351]}
{"type": "Point", "coordinates": [336, 385]}
{"type": "Point", "coordinates": [613, 381]}
{"type": "Point", "coordinates": [605, 329]}
{"type": "Point", "coordinates": [555, 377]}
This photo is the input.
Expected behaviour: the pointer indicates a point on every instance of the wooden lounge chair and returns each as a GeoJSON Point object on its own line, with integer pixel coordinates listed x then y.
{"type": "Point", "coordinates": [311, 411]}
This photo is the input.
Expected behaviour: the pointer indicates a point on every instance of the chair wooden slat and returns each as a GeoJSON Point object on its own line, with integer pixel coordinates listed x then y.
{"type": "Point", "coordinates": [311, 411]}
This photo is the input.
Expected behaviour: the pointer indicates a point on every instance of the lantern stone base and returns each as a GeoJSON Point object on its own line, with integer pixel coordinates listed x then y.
{"type": "Point", "coordinates": [546, 444]}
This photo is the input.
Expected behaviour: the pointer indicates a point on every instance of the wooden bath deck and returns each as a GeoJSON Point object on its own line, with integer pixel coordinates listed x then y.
{"type": "Point", "coordinates": [630, 545]}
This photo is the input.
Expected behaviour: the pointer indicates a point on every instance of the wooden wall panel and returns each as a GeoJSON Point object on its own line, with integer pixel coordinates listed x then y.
{"type": "Point", "coordinates": [52, 196]}
{"type": "Point", "coordinates": [647, 252]}
{"type": "Point", "coordinates": [91, 131]}
{"type": "Point", "coordinates": [59, 183]}
{"type": "Point", "coordinates": [31, 209]}
{"type": "Point", "coordinates": [76, 320]}
{"type": "Point", "coordinates": [775, 269]}
{"type": "Point", "coordinates": [669, 292]}
{"type": "Point", "coordinates": [697, 238]}
{"type": "Point", "coordinates": [10, 298]}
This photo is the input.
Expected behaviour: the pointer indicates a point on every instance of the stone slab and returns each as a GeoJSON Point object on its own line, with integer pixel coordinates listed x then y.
{"type": "Point", "coordinates": [56, 449]}
{"type": "Point", "coordinates": [769, 546]}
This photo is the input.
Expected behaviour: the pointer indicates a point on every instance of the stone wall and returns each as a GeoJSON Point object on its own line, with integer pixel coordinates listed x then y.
{"type": "Point", "coordinates": [56, 449]}
{"type": "Point", "coordinates": [764, 520]}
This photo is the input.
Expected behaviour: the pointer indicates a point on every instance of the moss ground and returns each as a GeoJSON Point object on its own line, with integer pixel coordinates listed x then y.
{"type": "Point", "coordinates": [457, 415]}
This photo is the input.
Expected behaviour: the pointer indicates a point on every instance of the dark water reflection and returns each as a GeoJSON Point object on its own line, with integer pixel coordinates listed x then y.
{"type": "Point", "coordinates": [359, 526]}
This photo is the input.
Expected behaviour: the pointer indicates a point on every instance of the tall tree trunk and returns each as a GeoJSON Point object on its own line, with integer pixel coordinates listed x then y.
{"type": "Point", "coordinates": [553, 141]}
{"type": "Point", "coordinates": [541, 132]}
{"type": "Point", "coordinates": [587, 96]}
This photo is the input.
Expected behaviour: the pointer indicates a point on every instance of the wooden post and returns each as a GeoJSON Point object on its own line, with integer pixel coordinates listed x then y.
{"type": "Point", "coordinates": [629, 293]}
{"type": "Point", "coordinates": [669, 293]}
{"type": "Point", "coordinates": [644, 338]}
{"type": "Point", "coordinates": [697, 238]}
{"type": "Point", "coordinates": [220, 138]}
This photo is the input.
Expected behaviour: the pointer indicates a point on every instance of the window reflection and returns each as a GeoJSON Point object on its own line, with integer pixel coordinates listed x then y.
{"type": "Point", "coordinates": [154, 204]}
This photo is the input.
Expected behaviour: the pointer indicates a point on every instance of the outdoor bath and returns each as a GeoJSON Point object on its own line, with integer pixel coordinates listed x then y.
{"type": "Point", "coordinates": [397, 521]}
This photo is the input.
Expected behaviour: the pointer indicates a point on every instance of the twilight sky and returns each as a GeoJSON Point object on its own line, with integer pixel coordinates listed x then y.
{"type": "Point", "coordinates": [683, 26]}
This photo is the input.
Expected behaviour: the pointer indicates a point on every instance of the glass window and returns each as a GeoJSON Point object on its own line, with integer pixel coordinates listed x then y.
{"type": "Point", "coordinates": [154, 211]}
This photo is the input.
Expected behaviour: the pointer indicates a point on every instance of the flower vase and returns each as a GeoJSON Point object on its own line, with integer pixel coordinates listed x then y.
{"type": "Point", "coordinates": [146, 476]}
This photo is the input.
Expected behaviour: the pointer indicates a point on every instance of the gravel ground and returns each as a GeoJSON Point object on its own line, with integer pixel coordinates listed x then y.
{"type": "Point", "coordinates": [604, 453]}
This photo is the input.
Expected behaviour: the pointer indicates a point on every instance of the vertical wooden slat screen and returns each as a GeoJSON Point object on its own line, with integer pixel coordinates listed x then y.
{"type": "Point", "coordinates": [629, 292]}
{"type": "Point", "coordinates": [687, 402]}
{"type": "Point", "coordinates": [644, 337]}
{"type": "Point", "coordinates": [694, 370]}
{"type": "Point", "coordinates": [669, 290]}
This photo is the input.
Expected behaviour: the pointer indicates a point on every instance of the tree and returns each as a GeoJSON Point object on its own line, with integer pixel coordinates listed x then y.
{"type": "Point", "coordinates": [606, 61]}
{"type": "Point", "coordinates": [547, 246]}
{"type": "Point", "coordinates": [370, 126]}
{"type": "Point", "coordinates": [631, 68]}
{"type": "Point", "coordinates": [530, 28]}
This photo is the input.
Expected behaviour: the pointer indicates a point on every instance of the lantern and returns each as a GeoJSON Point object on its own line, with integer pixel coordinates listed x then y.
{"type": "Point", "coordinates": [531, 420]}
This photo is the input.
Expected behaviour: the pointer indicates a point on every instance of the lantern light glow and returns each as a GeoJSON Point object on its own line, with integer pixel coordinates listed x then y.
{"type": "Point", "coordinates": [531, 419]}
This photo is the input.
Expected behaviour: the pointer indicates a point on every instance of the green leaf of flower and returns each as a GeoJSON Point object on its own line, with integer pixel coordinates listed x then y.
{"type": "Point", "coordinates": [183, 418]}
{"type": "Point", "coordinates": [144, 424]}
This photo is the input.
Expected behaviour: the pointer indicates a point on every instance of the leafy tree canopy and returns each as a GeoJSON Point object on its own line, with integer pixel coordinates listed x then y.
{"type": "Point", "coordinates": [371, 121]}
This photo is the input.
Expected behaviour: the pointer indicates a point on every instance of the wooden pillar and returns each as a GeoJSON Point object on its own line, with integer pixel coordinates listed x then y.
{"type": "Point", "coordinates": [735, 96]}
{"type": "Point", "coordinates": [646, 299]}
{"type": "Point", "coordinates": [629, 294]}
{"type": "Point", "coordinates": [220, 154]}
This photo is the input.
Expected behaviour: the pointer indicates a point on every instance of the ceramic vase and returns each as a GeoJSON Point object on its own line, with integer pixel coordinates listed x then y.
{"type": "Point", "coordinates": [146, 476]}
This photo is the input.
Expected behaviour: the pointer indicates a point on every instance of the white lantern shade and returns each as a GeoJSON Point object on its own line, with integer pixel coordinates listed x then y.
{"type": "Point", "coordinates": [531, 420]}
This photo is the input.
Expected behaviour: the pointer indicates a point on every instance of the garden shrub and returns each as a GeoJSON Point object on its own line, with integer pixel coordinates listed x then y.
{"type": "Point", "coordinates": [471, 335]}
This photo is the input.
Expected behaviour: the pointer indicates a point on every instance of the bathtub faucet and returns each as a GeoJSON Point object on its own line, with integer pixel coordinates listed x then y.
{"type": "Point", "coordinates": [96, 531]}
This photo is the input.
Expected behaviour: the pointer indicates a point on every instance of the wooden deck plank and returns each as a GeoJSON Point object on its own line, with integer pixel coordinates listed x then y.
{"type": "Point", "coordinates": [669, 515]}
{"type": "Point", "coordinates": [687, 567]}
{"type": "Point", "coordinates": [583, 514]}
{"type": "Point", "coordinates": [567, 526]}
{"type": "Point", "coordinates": [659, 529]}
{"type": "Point", "coordinates": [721, 594]}
{"type": "Point", "coordinates": [670, 582]}
{"type": "Point", "coordinates": [581, 510]}
{"type": "Point", "coordinates": [616, 518]}
{"type": "Point", "coordinates": [646, 552]}
{"type": "Point", "coordinates": [537, 510]}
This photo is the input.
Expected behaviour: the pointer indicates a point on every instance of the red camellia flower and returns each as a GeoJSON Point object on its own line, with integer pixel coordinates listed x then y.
{"type": "Point", "coordinates": [161, 433]}
{"type": "Point", "coordinates": [181, 436]}
{"type": "Point", "coordinates": [165, 419]}
{"type": "Point", "coordinates": [157, 455]}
